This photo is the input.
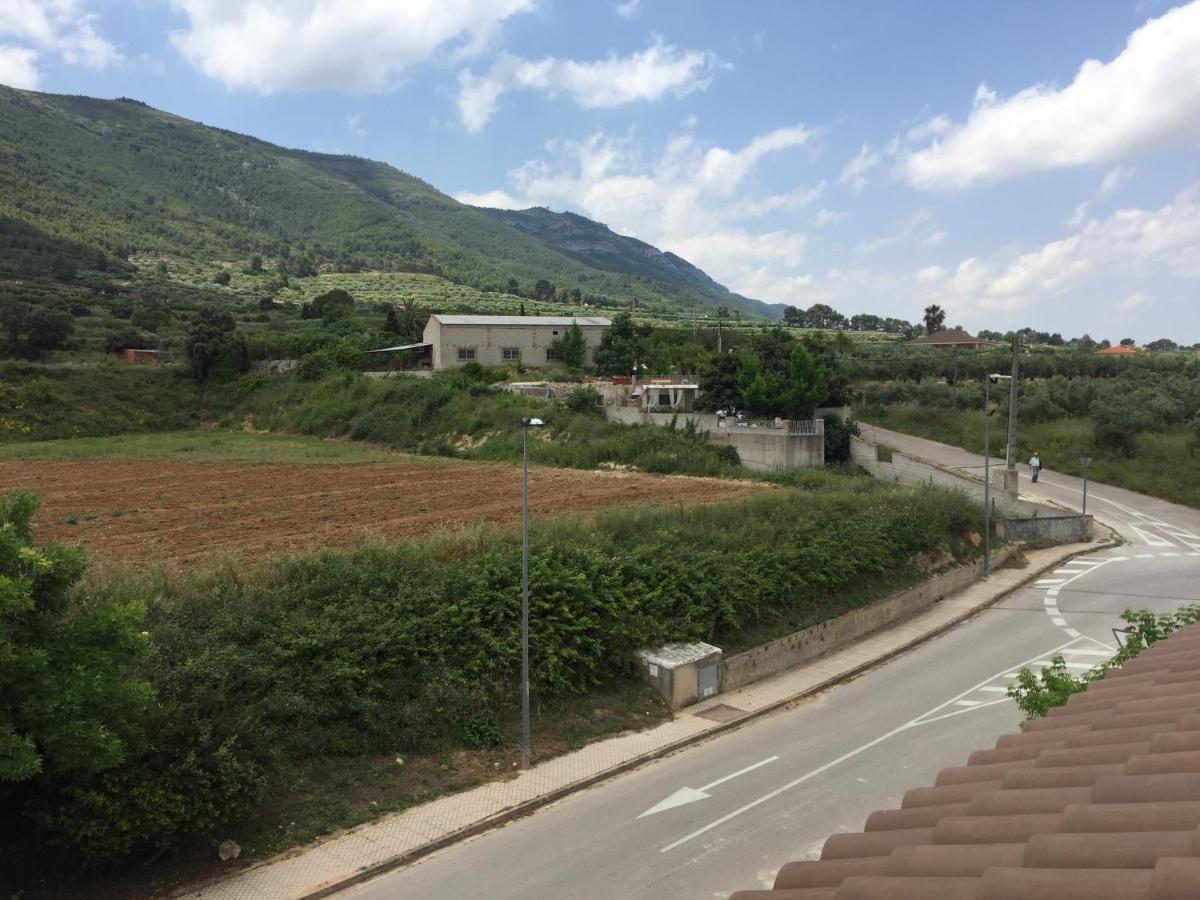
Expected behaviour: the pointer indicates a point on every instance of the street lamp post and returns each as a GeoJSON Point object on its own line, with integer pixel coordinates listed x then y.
{"type": "Point", "coordinates": [987, 469]}
{"type": "Point", "coordinates": [526, 750]}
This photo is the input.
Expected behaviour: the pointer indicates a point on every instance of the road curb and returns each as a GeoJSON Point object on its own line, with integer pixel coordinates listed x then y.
{"type": "Point", "coordinates": [530, 806]}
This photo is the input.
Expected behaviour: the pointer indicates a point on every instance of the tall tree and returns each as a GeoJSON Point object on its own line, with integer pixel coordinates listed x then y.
{"type": "Point", "coordinates": [572, 347]}
{"type": "Point", "coordinates": [622, 346]}
{"type": "Point", "coordinates": [208, 336]}
{"type": "Point", "coordinates": [935, 319]}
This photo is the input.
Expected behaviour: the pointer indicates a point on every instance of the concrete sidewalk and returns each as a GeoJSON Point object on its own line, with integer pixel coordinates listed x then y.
{"type": "Point", "coordinates": [350, 857]}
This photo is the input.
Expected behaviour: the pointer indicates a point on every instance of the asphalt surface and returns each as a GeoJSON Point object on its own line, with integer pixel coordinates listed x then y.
{"type": "Point", "coordinates": [740, 805]}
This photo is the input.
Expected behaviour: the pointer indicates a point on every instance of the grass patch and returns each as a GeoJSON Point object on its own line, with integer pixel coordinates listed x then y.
{"type": "Point", "coordinates": [207, 446]}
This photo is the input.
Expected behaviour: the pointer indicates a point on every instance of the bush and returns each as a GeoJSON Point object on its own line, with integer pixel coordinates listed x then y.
{"type": "Point", "coordinates": [837, 439]}
{"type": "Point", "coordinates": [1036, 695]}
{"type": "Point", "coordinates": [340, 357]}
{"type": "Point", "coordinates": [585, 401]}
{"type": "Point", "coordinates": [482, 730]}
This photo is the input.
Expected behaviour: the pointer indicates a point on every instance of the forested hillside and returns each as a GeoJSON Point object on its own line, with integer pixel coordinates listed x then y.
{"type": "Point", "coordinates": [92, 184]}
{"type": "Point", "coordinates": [598, 245]}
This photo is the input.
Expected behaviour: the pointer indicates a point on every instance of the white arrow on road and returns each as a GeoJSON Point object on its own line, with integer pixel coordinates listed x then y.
{"type": "Point", "coordinates": [686, 795]}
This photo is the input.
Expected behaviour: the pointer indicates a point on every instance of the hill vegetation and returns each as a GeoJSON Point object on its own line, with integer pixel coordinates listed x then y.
{"type": "Point", "coordinates": [91, 185]}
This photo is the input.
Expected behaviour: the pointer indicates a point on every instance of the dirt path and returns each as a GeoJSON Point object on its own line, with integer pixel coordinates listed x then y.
{"type": "Point", "coordinates": [179, 512]}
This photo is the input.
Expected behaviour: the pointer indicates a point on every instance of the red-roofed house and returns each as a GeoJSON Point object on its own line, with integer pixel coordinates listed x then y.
{"type": "Point", "coordinates": [955, 340]}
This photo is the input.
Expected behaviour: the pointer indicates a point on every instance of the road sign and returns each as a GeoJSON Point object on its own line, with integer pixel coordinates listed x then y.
{"type": "Point", "coordinates": [1085, 461]}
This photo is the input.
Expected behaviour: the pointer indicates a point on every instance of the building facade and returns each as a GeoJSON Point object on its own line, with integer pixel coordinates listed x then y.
{"type": "Point", "coordinates": [505, 340]}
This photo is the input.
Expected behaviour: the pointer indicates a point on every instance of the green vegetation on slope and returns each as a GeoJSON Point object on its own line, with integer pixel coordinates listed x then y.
{"type": "Point", "coordinates": [39, 402]}
{"type": "Point", "coordinates": [114, 180]}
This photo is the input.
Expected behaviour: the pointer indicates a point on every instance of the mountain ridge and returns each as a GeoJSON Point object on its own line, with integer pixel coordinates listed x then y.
{"type": "Point", "coordinates": [122, 179]}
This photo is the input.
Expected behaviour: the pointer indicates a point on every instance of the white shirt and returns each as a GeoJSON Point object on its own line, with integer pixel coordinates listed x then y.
{"type": "Point", "coordinates": [1035, 463]}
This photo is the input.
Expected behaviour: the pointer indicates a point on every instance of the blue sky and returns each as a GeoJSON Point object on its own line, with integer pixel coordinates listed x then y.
{"type": "Point", "coordinates": [1020, 163]}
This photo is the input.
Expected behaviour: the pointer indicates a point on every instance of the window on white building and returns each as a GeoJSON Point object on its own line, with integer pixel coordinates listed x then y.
{"type": "Point", "coordinates": [552, 355]}
{"type": "Point", "coordinates": [466, 354]}
{"type": "Point", "coordinates": [510, 354]}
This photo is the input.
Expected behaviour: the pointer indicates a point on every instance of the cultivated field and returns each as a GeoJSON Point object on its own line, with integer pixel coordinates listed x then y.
{"type": "Point", "coordinates": [176, 512]}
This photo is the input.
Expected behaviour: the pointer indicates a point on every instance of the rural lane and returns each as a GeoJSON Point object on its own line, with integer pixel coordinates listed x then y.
{"type": "Point", "coordinates": [726, 814]}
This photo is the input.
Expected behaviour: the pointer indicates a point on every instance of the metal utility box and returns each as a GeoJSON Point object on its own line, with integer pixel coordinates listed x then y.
{"type": "Point", "coordinates": [682, 673]}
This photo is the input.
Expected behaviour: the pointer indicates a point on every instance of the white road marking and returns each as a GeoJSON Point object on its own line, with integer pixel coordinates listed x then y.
{"type": "Point", "coordinates": [1079, 651]}
{"type": "Point", "coordinates": [1143, 556]}
{"type": "Point", "coordinates": [1153, 541]}
{"type": "Point", "coordinates": [994, 688]}
{"type": "Point", "coordinates": [686, 795]}
{"type": "Point", "coordinates": [924, 719]}
{"type": "Point", "coordinates": [967, 702]}
{"type": "Point", "coordinates": [1069, 665]}
{"type": "Point", "coordinates": [1170, 554]}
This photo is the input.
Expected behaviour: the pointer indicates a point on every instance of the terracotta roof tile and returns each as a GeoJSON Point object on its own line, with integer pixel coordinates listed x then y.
{"type": "Point", "coordinates": [1099, 800]}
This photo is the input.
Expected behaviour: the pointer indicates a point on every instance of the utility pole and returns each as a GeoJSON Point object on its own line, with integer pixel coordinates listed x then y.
{"type": "Point", "coordinates": [695, 318]}
{"type": "Point", "coordinates": [1010, 474]}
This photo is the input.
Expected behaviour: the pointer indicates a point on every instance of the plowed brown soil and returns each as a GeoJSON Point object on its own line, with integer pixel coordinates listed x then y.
{"type": "Point", "coordinates": [179, 512]}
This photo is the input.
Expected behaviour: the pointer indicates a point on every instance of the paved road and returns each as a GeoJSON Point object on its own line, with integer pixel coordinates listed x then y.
{"type": "Point", "coordinates": [777, 787]}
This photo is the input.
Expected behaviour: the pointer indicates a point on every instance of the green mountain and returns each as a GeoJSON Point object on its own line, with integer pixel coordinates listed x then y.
{"type": "Point", "coordinates": [114, 184]}
{"type": "Point", "coordinates": [595, 244]}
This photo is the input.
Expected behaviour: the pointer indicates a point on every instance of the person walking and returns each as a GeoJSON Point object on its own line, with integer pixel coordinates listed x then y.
{"type": "Point", "coordinates": [1035, 466]}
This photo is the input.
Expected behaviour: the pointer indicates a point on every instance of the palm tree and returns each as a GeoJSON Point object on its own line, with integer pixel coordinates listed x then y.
{"type": "Point", "coordinates": [935, 318]}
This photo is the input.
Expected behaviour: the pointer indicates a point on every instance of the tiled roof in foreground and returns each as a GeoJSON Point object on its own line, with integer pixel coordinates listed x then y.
{"type": "Point", "coordinates": [1099, 800]}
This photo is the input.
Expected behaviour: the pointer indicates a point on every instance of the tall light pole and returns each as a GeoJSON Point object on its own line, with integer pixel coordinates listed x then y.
{"type": "Point", "coordinates": [1010, 476]}
{"type": "Point", "coordinates": [526, 750]}
{"type": "Point", "coordinates": [987, 469]}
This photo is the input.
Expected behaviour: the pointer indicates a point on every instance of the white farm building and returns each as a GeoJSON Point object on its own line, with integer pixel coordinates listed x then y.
{"type": "Point", "coordinates": [450, 341]}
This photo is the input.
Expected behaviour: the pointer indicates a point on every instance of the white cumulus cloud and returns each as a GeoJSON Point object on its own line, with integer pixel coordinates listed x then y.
{"type": "Point", "coordinates": [491, 199]}
{"type": "Point", "coordinates": [649, 74]}
{"type": "Point", "coordinates": [57, 28]}
{"type": "Point", "coordinates": [18, 67]}
{"type": "Point", "coordinates": [689, 198]}
{"type": "Point", "coordinates": [1146, 98]}
{"type": "Point", "coordinates": [294, 45]}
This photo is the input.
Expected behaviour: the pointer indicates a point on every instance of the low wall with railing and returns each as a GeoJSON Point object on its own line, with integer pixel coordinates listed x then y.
{"type": "Point", "coordinates": [762, 444]}
{"type": "Point", "coordinates": [1018, 520]}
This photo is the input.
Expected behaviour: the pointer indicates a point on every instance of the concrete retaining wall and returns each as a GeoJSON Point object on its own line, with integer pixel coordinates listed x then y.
{"type": "Point", "coordinates": [767, 450]}
{"type": "Point", "coordinates": [761, 449]}
{"type": "Point", "coordinates": [769, 659]}
{"type": "Point", "coordinates": [1047, 529]}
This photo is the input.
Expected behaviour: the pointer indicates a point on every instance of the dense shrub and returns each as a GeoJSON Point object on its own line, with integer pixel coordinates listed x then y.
{"type": "Point", "coordinates": [838, 432]}
{"type": "Point", "coordinates": [340, 357]}
{"type": "Point", "coordinates": [585, 401]}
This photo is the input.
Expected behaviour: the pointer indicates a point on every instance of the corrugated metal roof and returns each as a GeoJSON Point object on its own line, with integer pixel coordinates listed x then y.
{"type": "Point", "coordinates": [402, 347]}
{"type": "Point", "coordinates": [521, 320]}
{"type": "Point", "coordinates": [1098, 800]}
